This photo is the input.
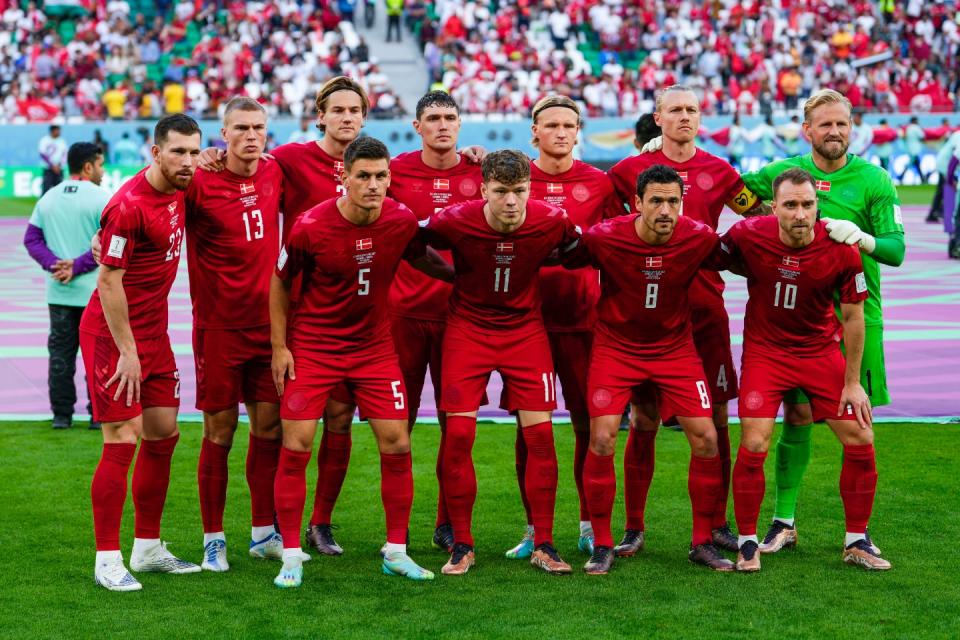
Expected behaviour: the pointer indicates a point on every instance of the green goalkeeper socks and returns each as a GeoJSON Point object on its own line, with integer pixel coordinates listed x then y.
{"type": "Point", "coordinates": [793, 455]}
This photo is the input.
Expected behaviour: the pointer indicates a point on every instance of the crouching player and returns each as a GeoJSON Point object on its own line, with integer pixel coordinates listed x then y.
{"type": "Point", "coordinates": [347, 250]}
{"type": "Point", "coordinates": [792, 340]}
{"type": "Point", "coordinates": [644, 333]}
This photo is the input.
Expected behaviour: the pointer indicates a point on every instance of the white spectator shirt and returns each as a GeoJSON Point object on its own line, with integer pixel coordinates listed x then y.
{"type": "Point", "coordinates": [53, 151]}
{"type": "Point", "coordinates": [861, 137]}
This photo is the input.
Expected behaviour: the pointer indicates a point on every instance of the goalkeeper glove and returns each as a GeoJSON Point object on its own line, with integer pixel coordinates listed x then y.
{"type": "Point", "coordinates": [847, 232]}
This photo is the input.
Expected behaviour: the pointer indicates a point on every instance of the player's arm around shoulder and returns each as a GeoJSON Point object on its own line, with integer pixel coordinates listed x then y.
{"type": "Point", "coordinates": [886, 245]}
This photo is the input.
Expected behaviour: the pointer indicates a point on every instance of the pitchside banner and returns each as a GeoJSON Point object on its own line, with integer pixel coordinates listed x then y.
{"type": "Point", "coordinates": [26, 182]}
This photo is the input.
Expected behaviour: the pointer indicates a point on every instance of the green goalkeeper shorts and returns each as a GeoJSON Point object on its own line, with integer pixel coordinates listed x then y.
{"type": "Point", "coordinates": [873, 372]}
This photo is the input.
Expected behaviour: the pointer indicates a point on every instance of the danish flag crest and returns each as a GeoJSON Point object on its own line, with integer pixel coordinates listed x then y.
{"type": "Point", "coordinates": [366, 244]}
{"type": "Point", "coordinates": [554, 187]}
{"type": "Point", "coordinates": [653, 262]}
{"type": "Point", "coordinates": [441, 184]}
{"type": "Point", "coordinates": [504, 247]}
{"type": "Point", "coordinates": [823, 185]}
{"type": "Point", "coordinates": [246, 188]}
{"type": "Point", "coordinates": [791, 261]}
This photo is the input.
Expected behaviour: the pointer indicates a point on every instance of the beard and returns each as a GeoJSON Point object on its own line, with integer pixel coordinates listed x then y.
{"type": "Point", "coordinates": [832, 154]}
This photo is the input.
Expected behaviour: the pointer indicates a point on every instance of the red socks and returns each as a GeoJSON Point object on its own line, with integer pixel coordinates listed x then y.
{"type": "Point", "coordinates": [396, 491]}
{"type": "Point", "coordinates": [520, 458]}
{"type": "Point", "coordinates": [541, 479]}
{"type": "Point", "coordinates": [749, 485]}
{"type": "Point", "coordinates": [858, 484]}
{"type": "Point", "coordinates": [290, 493]}
{"type": "Point", "coordinates": [442, 516]}
{"type": "Point", "coordinates": [600, 485]}
{"type": "Point", "coordinates": [108, 491]}
{"type": "Point", "coordinates": [459, 477]}
{"type": "Point", "coordinates": [723, 445]}
{"type": "Point", "coordinates": [212, 482]}
{"type": "Point", "coordinates": [263, 456]}
{"type": "Point", "coordinates": [332, 461]}
{"type": "Point", "coordinates": [638, 463]}
{"type": "Point", "coordinates": [581, 444]}
{"type": "Point", "coordinates": [704, 484]}
{"type": "Point", "coordinates": [151, 477]}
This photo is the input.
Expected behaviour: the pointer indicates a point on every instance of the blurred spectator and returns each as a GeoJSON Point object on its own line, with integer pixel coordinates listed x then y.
{"type": "Point", "coordinates": [913, 137]}
{"type": "Point", "coordinates": [394, 13]}
{"type": "Point", "coordinates": [126, 152]}
{"type": "Point", "coordinates": [861, 135]}
{"type": "Point", "coordinates": [306, 133]}
{"type": "Point", "coordinates": [53, 155]}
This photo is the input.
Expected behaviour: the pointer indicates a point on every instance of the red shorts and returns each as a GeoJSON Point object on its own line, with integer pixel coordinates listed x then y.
{"type": "Point", "coordinates": [711, 336]}
{"type": "Point", "coordinates": [160, 379]}
{"type": "Point", "coordinates": [768, 377]}
{"type": "Point", "coordinates": [521, 356]}
{"type": "Point", "coordinates": [678, 381]}
{"type": "Point", "coordinates": [233, 366]}
{"type": "Point", "coordinates": [372, 376]}
{"type": "Point", "coordinates": [419, 344]}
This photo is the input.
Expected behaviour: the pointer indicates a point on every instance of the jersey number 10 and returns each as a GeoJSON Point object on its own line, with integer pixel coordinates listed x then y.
{"type": "Point", "coordinates": [789, 296]}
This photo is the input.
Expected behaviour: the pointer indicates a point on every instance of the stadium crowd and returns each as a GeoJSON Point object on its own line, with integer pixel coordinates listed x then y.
{"type": "Point", "coordinates": [131, 59]}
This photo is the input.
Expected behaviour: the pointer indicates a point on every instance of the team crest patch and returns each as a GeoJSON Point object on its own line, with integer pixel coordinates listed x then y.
{"type": "Point", "coordinates": [580, 192]}
{"type": "Point", "coordinates": [704, 181]}
{"type": "Point", "coordinates": [861, 282]}
{"type": "Point", "coordinates": [468, 186]}
{"type": "Point", "coordinates": [602, 398]}
{"type": "Point", "coordinates": [117, 245]}
{"type": "Point", "coordinates": [753, 400]}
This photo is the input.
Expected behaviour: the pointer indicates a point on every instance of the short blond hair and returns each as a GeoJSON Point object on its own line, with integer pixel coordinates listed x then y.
{"type": "Point", "coordinates": [554, 101]}
{"type": "Point", "coordinates": [824, 97]}
{"type": "Point", "coordinates": [340, 83]}
{"type": "Point", "coordinates": [674, 88]}
{"type": "Point", "coordinates": [242, 103]}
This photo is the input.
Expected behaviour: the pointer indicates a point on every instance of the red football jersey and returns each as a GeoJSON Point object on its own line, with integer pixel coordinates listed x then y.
{"type": "Point", "coordinates": [497, 284]}
{"type": "Point", "coordinates": [586, 194]}
{"type": "Point", "coordinates": [233, 238]}
{"type": "Point", "coordinates": [709, 183]}
{"type": "Point", "coordinates": [347, 270]}
{"type": "Point", "coordinates": [415, 294]}
{"type": "Point", "coordinates": [310, 176]}
{"type": "Point", "coordinates": [644, 305]}
{"type": "Point", "coordinates": [790, 308]}
{"type": "Point", "coordinates": [141, 232]}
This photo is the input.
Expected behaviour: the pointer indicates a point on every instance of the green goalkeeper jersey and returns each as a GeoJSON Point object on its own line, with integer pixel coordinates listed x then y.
{"type": "Point", "coordinates": [860, 192]}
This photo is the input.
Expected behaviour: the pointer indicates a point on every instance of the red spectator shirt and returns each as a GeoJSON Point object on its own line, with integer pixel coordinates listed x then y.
{"type": "Point", "coordinates": [644, 306]}
{"type": "Point", "coordinates": [233, 237]}
{"type": "Point", "coordinates": [347, 270]}
{"type": "Point", "coordinates": [497, 284]}
{"type": "Point", "coordinates": [709, 183]}
{"type": "Point", "coordinates": [790, 309]}
{"type": "Point", "coordinates": [586, 194]}
{"type": "Point", "coordinates": [141, 232]}
{"type": "Point", "coordinates": [426, 191]}
{"type": "Point", "coordinates": [311, 176]}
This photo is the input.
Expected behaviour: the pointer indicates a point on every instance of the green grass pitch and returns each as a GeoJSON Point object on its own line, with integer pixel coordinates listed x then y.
{"type": "Point", "coordinates": [46, 539]}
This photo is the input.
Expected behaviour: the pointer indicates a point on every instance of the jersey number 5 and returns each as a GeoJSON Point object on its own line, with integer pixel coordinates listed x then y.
{"type": "Point", "coordinates": [364, 282]}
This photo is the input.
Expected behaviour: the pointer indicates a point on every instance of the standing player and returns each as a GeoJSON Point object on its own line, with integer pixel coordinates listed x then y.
{"type": "Point", "coordinates": [862, 202]}
{"type": "Point", "coordinates": [569, 296]}
{"type": "Point", "coordinates": [709, 184]}
{"type": "Point", "coordinates": [125, 343]}
{"type": "Point", "coordinates": [233, 236]}
{"type": "Point", "coordinates": [347, 250]}
{"type": "Point", "coordinates": [644, 333]}
{"type": "Point", "coordinates": [495, 324]}
{"type": "Point", "coordinates": [426, 181]}
{"type": "Point", "coordinates": [790, 339]}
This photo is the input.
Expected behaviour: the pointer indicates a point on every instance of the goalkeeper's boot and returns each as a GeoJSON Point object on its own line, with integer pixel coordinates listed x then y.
{"type": "Point", "coordinates": [631, 544]}
{"type": "Point", "coordinates": [779, 535]}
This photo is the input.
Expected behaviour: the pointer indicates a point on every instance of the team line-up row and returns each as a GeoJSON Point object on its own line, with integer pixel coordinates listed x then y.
{"type": "Point", "coordinates": [434, 260]}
